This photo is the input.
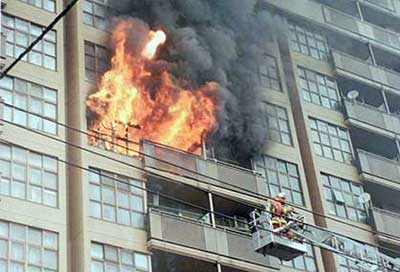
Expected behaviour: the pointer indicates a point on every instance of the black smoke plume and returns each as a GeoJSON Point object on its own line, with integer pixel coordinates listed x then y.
{"type": "Point", "coordinates": [223, 41]}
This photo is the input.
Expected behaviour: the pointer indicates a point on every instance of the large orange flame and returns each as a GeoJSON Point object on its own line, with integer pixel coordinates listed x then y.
{"type": "Point", "coordinates": [124, 109]}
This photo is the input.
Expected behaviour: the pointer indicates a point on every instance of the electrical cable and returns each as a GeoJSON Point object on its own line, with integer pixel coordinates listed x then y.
{"type": "Point", "coordinates": [39, 38]}
{"type": "Point", "coordinates": [161, 209]}
{"type": "Point", "coordinates": [253, 194]}
{"type": "Point", "coordinates": [239, 189]}
{"type": "Point", "coordinates": [160, 176]}
{"type": "Point", "coordinates": [50, 27]}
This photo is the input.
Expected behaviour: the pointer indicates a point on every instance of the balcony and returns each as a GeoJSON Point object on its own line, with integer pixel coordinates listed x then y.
{"type": "Point", "coordinates": [208, 171]}
{"type": "Point", "coordinates": [185, 237]}
{"type": "Point", "coordinates": [387, 224]}
{"type": "Point", "coordinates": [311, 10]}
{"type": "Point", "coordinates": [380, 167]}
{"type": "Point", "coordinates": [372, 116]}
{"type": "Point", "coordinates": [346, 64]}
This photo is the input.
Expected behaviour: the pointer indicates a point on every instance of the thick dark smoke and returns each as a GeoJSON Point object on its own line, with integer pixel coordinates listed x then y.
{"type": "Point", "coordinates": [222, 41]}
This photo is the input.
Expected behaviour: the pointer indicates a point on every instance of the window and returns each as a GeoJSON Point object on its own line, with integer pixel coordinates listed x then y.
{"type": "Point", "coordinates": [28, 175]}
{"type": "Point", "coordinates": [342, 198]}
{"type": "Point", "coordinates": [281, 176]}
{"type": "Point", "coordinates": [269, 74]}
{"type": "Point", "coordinates": [278, 124]}
{"type": "Point", "coordinates": [305, 263]}
{"type": "Point", "coordinates": [110, 258]}
{"type": "Point", "coordinates": [331, 141]}
{"type": "Point", "coordinates": [347, 265]}
{"type": "Point", "coordinates": [319, 89]}
{"type": "Point", "coordinates": [94, 13]}
{"type": "Point", "coordinates": [96, 60]}
{"type": "Point", "coordinates": [24, 248]}
{"type": "Point", "coordinates": [20, 34]}
{"type": "Point", "coordinates": [113, 199]}
{"type": "Point", "coordinates": [308, 42]}
{"type": "Point", "coordinates": [49, 5]}
{"type": "Point", "coordinates": [30, 97]}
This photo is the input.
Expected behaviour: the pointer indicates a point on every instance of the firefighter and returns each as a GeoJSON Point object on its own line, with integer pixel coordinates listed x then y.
{"type": "Point", "coordinates": [280, 213]}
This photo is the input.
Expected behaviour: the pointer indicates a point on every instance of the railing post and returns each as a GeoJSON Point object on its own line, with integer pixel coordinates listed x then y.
{"type": "Point", "coordinates": [211, 203]}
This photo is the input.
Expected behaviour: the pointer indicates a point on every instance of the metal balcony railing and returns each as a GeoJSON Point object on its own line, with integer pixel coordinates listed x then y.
{"type": "Point", "coordinates": [373, 116]}
{"type": "Point", "coordinates": [387, 222]}
{"type": "Point", "coordinates": [360, 68]}
{"type": "Point", "coordinates": [378, 166]}
{"type": "Point", "coordinates": [210, 171]}
{"type": "Point", "coordinates": [167, 228]}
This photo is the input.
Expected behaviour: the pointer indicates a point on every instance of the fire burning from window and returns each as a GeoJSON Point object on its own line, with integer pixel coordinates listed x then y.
{"type": "Point", "coordinates": [127, 109]}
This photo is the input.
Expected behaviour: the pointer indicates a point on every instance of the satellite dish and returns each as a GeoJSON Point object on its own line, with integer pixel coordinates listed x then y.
{"type": "Point", "coordinates": [352, 95]}
{"type": "Point", "coordinates": [364, 198]}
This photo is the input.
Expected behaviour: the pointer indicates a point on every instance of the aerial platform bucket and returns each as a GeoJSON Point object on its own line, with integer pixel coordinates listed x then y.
{"type": "Point", "coordinates": [268, 243]}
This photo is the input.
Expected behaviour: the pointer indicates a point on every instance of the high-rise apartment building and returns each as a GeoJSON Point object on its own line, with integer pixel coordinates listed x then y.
{"type": "Point", "coordinates": [332, 98]}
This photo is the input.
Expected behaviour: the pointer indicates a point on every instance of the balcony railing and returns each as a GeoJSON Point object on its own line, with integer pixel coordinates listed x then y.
{"type": "Point", "coordinates": [388, 223]}
{"type": "Point", "coordinates": [210, 171]}
{"type": "Point", "coordinates": [324, 14]}
{"type": "Point", "coordinates": [360, 68]}
{"type": "Point", "coordinates": [372, 116]}
{"type": "Point", "coordinates": [166, 228]}
{"type": "Point", "coordinates": [378, 166]}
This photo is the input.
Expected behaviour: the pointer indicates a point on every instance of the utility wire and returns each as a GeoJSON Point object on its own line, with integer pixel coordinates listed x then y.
{"type": "Point", "coordinates": [237, 189]}
{"type": "Point", "coordinates": [254, 194]}
{"type": "Point", "coordinates": [39, 38]}
{"type": "Point", "coordinates": [190, 204]}
{"type": "Point", "coordinates": [160, 176]}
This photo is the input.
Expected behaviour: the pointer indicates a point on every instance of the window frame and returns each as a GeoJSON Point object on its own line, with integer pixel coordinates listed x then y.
{"type": "Point", "coordinates": [31, 32]}
{"type": "Point", "coordinates": [98, 60]}
{"type": "Point", "coordinates": [268, 73]}
{"type": "Point", "coordinates": [118, 261]}
{"type": "Point", "coordinates": [336, 191]}
{"type": "Point", "coordinates": [305, 41]}
{"type": "Point", "coordinates": [27, 243]}
{"type": "Point", "coordinates": [104, 190]}
{"type": "Point", "coordinates": [42, 5]}
{"type": "Point", "coordinates": [272, 112]}
{"type": "Point", "coordinates": [310, 95]}
{"type": "Point", "coordinates": [324, 138]}
{"type": "Point", "coordinates": [29, 92]}
{"type": "Point", "coordinates": [29, 167]}
{"type": "Point", "coordinates": [263, 165]}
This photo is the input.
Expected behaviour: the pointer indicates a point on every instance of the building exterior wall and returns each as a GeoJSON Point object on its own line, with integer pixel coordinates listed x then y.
{"type": "Point", "coordinates": [78, 231]}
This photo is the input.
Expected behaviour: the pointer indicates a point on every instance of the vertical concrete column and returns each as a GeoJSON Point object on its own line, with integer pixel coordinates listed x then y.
{"type": "Point", "coordinates": [305, 144]}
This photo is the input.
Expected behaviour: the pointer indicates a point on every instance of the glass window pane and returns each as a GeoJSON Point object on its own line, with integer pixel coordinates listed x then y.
{"type": "Point", "coordinates": [34, 255]}
{"type": "Point", "coordinates": [50, 240]}
{"type": "Point", "coordinates": [34, 236]}
{"type": "Point", "coordinates": [141, 261]}
{"type": "Point", "coordinates": [50, 259]}
{"type": "Point", "coordinates": [17, 251]}
{"type": "Point", "coordinates": [95, 209]}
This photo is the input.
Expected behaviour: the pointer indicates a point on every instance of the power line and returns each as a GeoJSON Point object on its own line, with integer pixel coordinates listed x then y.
{"type": "Point", "coordinates": [239, 189]}
{"type": "Point", "coordinates": [160, 176]}
{"type": "Point", "coordinates": [50, 27]}
{"type": "Point", "coordinates": [39, 38]}
{"type": "Point", "coordinates": [161, 208]}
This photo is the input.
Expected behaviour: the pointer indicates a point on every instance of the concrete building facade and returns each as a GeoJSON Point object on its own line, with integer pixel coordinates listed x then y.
{"type": "Point", "coordinates": [79, 207]}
